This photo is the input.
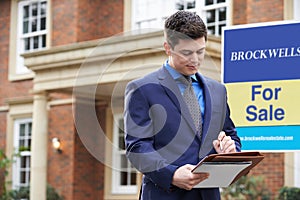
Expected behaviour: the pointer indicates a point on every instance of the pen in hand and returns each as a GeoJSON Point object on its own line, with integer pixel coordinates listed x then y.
{"type": "Point", "coordinates": [221, 145]}
{"type": "Point", "coordinates": [220, 141]}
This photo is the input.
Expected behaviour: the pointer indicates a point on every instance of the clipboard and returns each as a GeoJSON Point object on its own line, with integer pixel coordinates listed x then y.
{"type": "Point", "coordinates": [241, 162]}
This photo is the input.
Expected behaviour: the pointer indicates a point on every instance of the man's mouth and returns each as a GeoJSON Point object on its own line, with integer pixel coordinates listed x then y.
{"type": "Point", "coordinates": [192, 66]}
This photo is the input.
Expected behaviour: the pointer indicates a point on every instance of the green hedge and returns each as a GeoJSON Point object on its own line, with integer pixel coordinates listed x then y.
{"type": "Point", "coordinates": [247, 187]}
{"type": "Point", "coordinates": [24, 193]}
{"type": "Point", "coordinates": [289, 193]}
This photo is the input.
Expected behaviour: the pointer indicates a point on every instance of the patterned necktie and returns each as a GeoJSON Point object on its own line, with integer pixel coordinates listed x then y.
{"type": "Point", "coordinates": [192, 103]}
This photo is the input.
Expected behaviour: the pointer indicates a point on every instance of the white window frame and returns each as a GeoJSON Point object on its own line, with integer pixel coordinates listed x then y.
{"type": "Point", "coordinates": [16, 177]}
{"type": "Point", "coordinates": [20, 49]}
{"type": "Point", "coordinates": [185, 3]}
{"type": "Point", "coordinates": [117, 153]}
{"type": "Point", "coordinates": [204, 9]}
{"type": "Point", "coordinates": [163, 11]}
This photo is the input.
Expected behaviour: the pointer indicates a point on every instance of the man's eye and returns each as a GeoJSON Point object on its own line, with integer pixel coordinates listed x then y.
{"type": "Point", "coordinates": [186, 53]}
{"type": "Point", "coordinates": [200, 52]}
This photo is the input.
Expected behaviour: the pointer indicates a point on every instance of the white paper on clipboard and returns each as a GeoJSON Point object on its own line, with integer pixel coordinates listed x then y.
{"type": "Point", "coordinates": [221, 174]}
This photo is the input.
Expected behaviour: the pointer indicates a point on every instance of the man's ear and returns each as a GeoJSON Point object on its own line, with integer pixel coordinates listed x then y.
{"type": "Point", "coordinates": [167, 48]}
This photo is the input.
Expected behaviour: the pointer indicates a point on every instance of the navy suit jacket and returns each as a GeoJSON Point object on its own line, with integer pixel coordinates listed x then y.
{"type": "Point", "coordinates": [160, 135]}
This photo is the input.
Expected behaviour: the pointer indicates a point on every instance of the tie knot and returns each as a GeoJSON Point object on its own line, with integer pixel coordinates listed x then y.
{"type": "Point", "coordinates": [187, 80]}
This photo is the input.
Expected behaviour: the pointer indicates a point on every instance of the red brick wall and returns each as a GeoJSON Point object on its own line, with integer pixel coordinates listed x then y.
{"type": "Point", "coordinates": [253, 11]}
{"type": "Point", "coordinates": [8, 89]}
{"type": "Point", "coordinates": [99, 19]}
{"type": "Point", "coordinates": [272, 169]}
{"type": "Point", "coordinates": [64, 22]}
{"type": "Point", "coordinates": [239, 12]}
{"type": "Point", "coordinates": [61, 166]}
{"type": "Point", "coordinates": [89, 173]}
{"type": "Point", "coordinates": [75, 173]}
{"type": "Point", "coordinates": [77, 21]}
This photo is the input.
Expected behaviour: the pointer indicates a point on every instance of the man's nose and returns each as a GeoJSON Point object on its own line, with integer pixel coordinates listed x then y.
{"type": "Point", "coordinates": [193, 57]}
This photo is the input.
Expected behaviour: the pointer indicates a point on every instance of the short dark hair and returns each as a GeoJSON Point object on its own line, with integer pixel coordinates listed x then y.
{"type": "Point", "coordinates": [184, 25]}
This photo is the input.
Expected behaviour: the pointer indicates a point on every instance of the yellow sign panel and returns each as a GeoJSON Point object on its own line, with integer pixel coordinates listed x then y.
{"type": "Point", "coordinates": [265, 103]}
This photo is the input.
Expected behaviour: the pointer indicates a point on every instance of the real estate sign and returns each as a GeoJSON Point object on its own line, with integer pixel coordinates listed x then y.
{"type": "Point", "coordinates": [261, 71]}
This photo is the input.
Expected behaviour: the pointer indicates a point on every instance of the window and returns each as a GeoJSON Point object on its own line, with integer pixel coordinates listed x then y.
{"type": "Point", "coordinates": [22, 146]}
{"type": "Point", "coordinates": [124, 175]}
{"type": "Point", "coordinates": [215, 14]}
{"type": "Point", "coordinates": [185, 5]}
{"type": "Point", "coordinates": [152, 13]}
{"type": "Point", "coordinates": [31, 29]}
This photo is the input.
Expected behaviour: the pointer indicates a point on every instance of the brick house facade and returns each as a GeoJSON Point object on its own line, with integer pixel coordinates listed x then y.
{"type": "Point", "coordinates": [75, 28]}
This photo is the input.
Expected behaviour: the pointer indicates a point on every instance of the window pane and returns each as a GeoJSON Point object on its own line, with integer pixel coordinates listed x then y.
{"type": "Point", "coordinates": [36, 42]}
{"type": "Point", "coordinates": [43, 8]}
{"type": "Point", "coordinates": [124, 162]}
{"type": "Point", "coordinates": [124, 178]}
{"type": "Point", "coordinates": [29, 145]}
{"type": "Point", "coordinates": [34, 8]}
{"type": "Point", "coordinates": [23, 161]}
{"type": "Point", "coordinates": [210, 15]}
{"type": "Point", "coordinates": [43, 42]}
{"type": "Point", "coordinates": [220, 29]}
{"type": "Point", "coordinates": [211, 30]}
{"type": "Point", "coordinates": [43, 23]}
{"type": "Point", "coordinates": [27, 44]}
{"type": "Point", "coordinates": [191, 4]}
{"type": "Point", "coordinates": [25, 12]}
{"type": "Point", "coordinates": [29, 128]}
{"type": "Point", "coordinates": [22, 129]}
{"type": "Point", "coordinates": [209, 2]}
{"type": "Point", "coordinates": [133, 178]}
{"type": "Point", "coordinates": [25, 27]}
{"type": "Point", "coordinates": [222, 14]}
{"type": "Point", "coordinates": [221, 1]}
{"type": "Point", "coordinates": [179, 6]}
{"type": "Point", "coordinates": [121, 143]}
{"type": "Point", "coordinates": [33, 25]}
{"type": "Point", "coordinates": [22, 177]}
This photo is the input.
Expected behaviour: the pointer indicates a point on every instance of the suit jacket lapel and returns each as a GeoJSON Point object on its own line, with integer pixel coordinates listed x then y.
{"type": "Point", "coordinates": [172, 89]}
{"type": "Point", "coordinates": [214, 115]}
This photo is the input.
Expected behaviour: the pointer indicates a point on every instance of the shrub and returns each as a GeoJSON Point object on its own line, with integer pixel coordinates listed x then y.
{"type": "Point", "coordinates": [24, 193]}
{"type": "Point", "coordinates": [247, 188]}
{"type": "Point", "coordinates": [289, 193]}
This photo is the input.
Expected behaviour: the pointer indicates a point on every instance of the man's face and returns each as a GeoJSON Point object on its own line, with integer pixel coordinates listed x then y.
{"type": "Point", "coordinates": [187, 56]}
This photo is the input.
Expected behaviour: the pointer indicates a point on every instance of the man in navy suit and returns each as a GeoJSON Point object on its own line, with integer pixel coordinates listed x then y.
{"type": "Point", "coordinates": [165, 138]}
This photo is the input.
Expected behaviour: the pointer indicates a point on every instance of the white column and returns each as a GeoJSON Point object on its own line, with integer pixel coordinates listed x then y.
{"type": "Point", "coordinates": [38, 176]}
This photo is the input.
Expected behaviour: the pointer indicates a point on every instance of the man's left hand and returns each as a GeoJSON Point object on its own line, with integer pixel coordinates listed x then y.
{"type": "Point", "coordinates": [224, 144]}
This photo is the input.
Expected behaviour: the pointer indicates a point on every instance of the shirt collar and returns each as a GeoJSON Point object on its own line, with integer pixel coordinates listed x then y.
{"type": "Point", "coordinates": [175, 74]}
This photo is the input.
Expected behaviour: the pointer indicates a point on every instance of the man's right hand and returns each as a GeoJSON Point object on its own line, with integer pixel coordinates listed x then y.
{"type": "Point", "coordinates": [185, 179]}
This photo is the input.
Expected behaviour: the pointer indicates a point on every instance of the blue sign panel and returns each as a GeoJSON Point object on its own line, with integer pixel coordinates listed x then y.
{"type": "Point", "coordinates": [270, 138]}
{"type": "Point", "coordinates": [262, 53]}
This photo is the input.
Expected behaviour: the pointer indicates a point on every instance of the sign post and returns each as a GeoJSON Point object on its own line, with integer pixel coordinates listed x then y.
{"type": "Point", "coordinates": [261, 71]}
